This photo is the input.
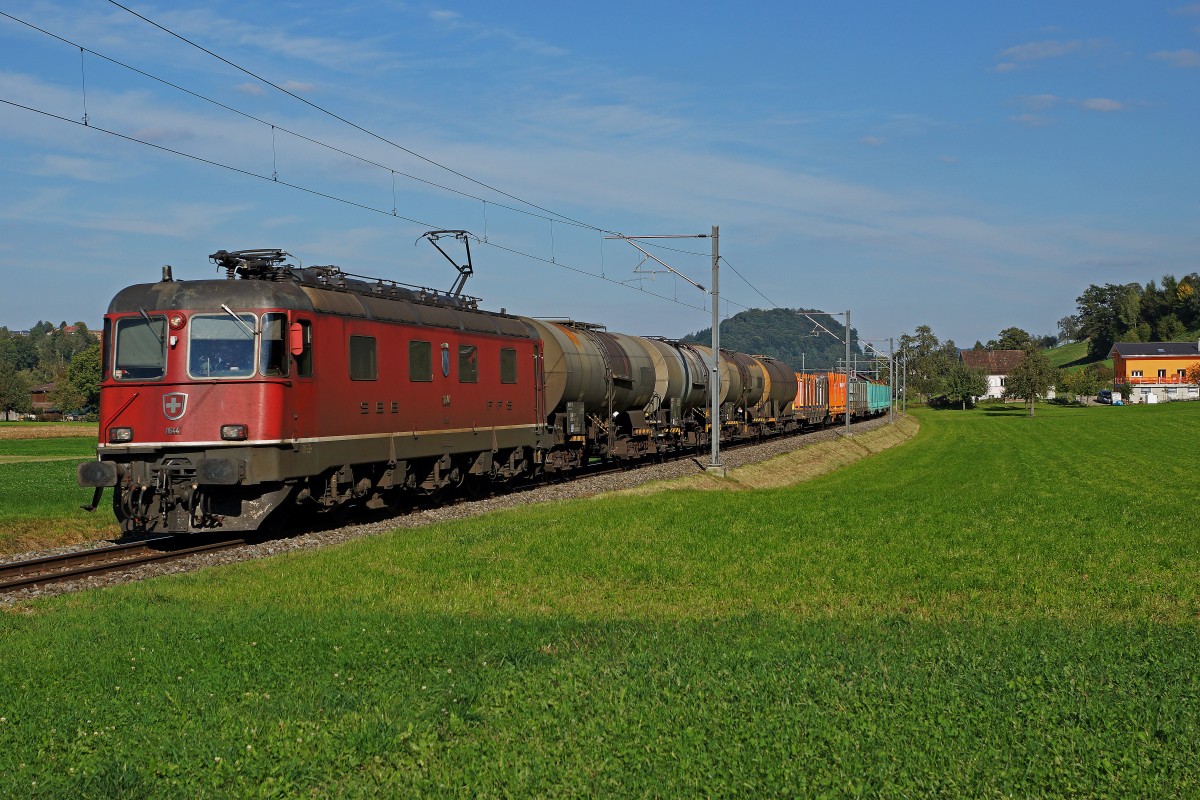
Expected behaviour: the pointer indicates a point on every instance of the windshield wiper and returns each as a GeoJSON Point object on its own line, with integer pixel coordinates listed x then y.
{"type": "Point", "coordinates": [150, 322]}
{"type": "Point", "coordinates": [252, 331]}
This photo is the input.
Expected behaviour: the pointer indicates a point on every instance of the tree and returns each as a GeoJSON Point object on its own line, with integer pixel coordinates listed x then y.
{"type": "Point", "coordinates": [1082, 383]}
{"type": "Point", "coordinates": [78, 386]}
{"type": "Point", "coordinates": [14, 389]}
{"type": "Point", "coordinates": [1013, 339]}
{"type": "Point", "coordinates": [929, 361]}
{"type": "Point", "coordinates": [1170, 329]}
{"type": "Point", "coordinates": [963, 384]}
{"type": "Point", "coordinates": [1068, 328]}
{"type": "Point", "coordinates": [1032, 377]}
{"type": "Point", "coordinates": [1106, 314]}
{"type": "Point", "coordinates": [1193, 373]}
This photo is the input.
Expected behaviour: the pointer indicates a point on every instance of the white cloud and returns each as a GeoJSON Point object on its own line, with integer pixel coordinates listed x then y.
{"type": "Point", "coordinates": [1101, 104]}
{"type": "Point", "coordinates": [1178, 58]}
{"type": "Point", "coordinates": [873, 141]}
{"type": "Point", "coordinates": [1188, 10]}
{"type": "Point", "coordinates": [1030, 120]}
{"type": "Point", "coordinates": [948, 159]}
{"type": "Point", "coordinates": [252, 89]}
{"type": "Point", "coordinates": [160, 135]}
{"type": "Point", "coordinates": [298, 87]}
{"type": "Point", "coordinates": [1038, 51]}
{"type": "Point", "coordinates": [455, 21]}
{"type": "Point", "coordinates": [1040, 102]}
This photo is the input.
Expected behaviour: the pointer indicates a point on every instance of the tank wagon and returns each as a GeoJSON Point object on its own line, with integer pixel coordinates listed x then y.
{"type": "Point", "coordinates": [237, 402]}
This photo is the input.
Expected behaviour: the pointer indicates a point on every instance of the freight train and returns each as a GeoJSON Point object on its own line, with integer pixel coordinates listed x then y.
{"type": "Point", "coordinates": [238, 403]}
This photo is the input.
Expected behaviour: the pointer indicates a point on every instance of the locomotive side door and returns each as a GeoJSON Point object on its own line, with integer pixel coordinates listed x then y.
{"type": "Point", "coordinates": [303, 406]}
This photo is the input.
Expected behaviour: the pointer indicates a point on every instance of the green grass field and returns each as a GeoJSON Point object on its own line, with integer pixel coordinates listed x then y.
{"type": "Point", "coordinates": [39, 498]}
{"type": "Point", "coordinates": [1003, 606]}
{"type": "Point", "coordinates": [81, 447]}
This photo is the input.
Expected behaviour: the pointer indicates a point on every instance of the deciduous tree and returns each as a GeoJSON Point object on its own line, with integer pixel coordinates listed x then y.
{"type": "Point", "coordinates": [963, 384]}
{"type": "Point", "coordinates": [1013, 339]}
{"type": "Point", "coordinates": [1032, 378]}
{"type": "Point", "coordinates": [78, 386]}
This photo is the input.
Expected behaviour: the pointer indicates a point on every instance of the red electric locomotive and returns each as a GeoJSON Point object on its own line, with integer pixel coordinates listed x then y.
{"type": "Point", "coordinates": [223, 401]}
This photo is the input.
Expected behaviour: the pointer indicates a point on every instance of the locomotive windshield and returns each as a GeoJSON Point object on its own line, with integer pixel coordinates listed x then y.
{"type": "Point", "coordinates": [141, 349]}
{"type": "Point", "coordinates": [222, 345]}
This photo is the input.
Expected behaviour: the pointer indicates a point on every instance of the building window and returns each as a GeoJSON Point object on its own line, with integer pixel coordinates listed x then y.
{"type": "Point", "coordinates": [1162, 373]}
{"type": "Point", "coordinates": [1137, 373]}
{"type": "Point", "coordinates": [468, 363]}
{"type": "Point", "coordinates": [508, 365]}
{"type": "Point", "coordinates": [420, 362]}
{"type": "Point", "coordinates": [362, 358]}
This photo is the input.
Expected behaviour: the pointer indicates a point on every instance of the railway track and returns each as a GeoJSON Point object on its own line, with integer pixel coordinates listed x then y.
{"type": "Point", "coordinates": [73, 566]}
{"type": "Point", "coordinates": [64, 568]}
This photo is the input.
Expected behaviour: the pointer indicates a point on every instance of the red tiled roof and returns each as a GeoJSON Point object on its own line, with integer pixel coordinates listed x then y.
{"type": "Point", "coordinates": [993, 362]}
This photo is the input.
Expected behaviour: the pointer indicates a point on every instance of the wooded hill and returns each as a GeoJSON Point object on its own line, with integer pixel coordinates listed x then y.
{"type": "Point", "coordinates": [786, 334]}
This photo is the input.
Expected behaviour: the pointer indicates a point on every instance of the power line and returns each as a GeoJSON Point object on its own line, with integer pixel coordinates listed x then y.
{"type": "Point", "coordinates": [274, 126]}
{"type": "Point", "coordinates": [333, 148]}
{"type": "Point", "coordinates": [327, 196]}
{"type": "Point", "coordinates": [354, 125]}
{"type": "Point", "coordinates": [770, 302]}
{"type": "Point", "coordinates": [274, 176]}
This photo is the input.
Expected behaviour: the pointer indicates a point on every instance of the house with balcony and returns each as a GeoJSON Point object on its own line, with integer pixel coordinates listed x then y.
{"type": "Point", "coordinates": [1156, 371]}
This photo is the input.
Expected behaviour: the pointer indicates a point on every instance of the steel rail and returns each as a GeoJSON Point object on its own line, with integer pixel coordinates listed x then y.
{"type": "Point", "coordinates": [72, 566]}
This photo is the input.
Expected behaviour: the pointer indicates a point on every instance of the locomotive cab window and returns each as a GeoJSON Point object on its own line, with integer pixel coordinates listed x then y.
{"type": "Point", "coordinates": [362, 358]}
{"type": "Point", "coordinates": [141, 349]}
{"type": "Point", "coordinates": [273, 353]}
{"type": "Point", "coordinates": [420, 362]}
{"type": "Point", "coordinates": [222, 345]}
{"type": "Point", "coordinates": [468, 363]}
{"type": "Point", "coordinates": [106, 349]}
{"type": "Point", "coordinates": [508, 365]}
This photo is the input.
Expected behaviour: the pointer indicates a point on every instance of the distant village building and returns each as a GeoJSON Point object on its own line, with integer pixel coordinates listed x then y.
{"type": "Point", "coordinates": [997, 364]}
{"type": "Point", "coordinates": [39, 398]}
{"type": "Point", "coordinates": [1155, 371]}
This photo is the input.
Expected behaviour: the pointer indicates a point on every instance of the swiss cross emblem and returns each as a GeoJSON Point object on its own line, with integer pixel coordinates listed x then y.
{"type": "Point", "coordinates": [174, 404]}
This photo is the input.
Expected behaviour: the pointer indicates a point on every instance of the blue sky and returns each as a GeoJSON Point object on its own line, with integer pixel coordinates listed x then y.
{"type": "Point", "coordinates": [969, 166]}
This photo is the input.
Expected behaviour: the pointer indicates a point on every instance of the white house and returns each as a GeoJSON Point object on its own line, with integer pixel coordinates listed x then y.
{"type": "Point", "coordinates": [997, 364]}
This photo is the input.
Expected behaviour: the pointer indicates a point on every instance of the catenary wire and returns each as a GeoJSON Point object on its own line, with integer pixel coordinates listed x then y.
{"type": "Point", "coordinates": [363, 206]}
{"type": "Point", "coordinates": [356, 126]}
{"type": "Point", "coordinates": [276, 127]}
{"type": "Point", "coordinates": [333, 148]}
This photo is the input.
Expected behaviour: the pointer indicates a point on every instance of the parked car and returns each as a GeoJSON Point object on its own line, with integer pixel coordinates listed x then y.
{"type": "Point", "coordinates": [1105, 397]}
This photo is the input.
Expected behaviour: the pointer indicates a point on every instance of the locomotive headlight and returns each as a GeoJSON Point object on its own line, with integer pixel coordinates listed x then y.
{"type": "Point", "coordinates": [176, 321]}
{"type": "Point", "coordinates": [233, 433]}
{"type": "Point", "coordinates": [120, 435]}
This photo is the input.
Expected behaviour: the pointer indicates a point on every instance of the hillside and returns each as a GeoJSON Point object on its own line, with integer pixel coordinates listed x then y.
{"type": "Point", "coordinates": [785, 334]}
{"type": "Point", "coordinates": [1073, 356]}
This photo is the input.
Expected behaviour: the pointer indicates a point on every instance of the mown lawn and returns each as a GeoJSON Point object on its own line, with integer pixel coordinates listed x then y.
{"type": "Point", "coordinates": [40, 499]}
{"type": "Point", "coordinates": [1004, 606]}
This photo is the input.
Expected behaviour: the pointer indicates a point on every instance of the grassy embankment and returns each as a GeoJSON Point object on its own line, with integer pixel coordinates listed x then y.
{"type": "Point", "coordinates": [1003, 606]}
{"type": "Point", "coordinates": [39, 499]}
{"type": "Point", "coordinates": [1074, 356]}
